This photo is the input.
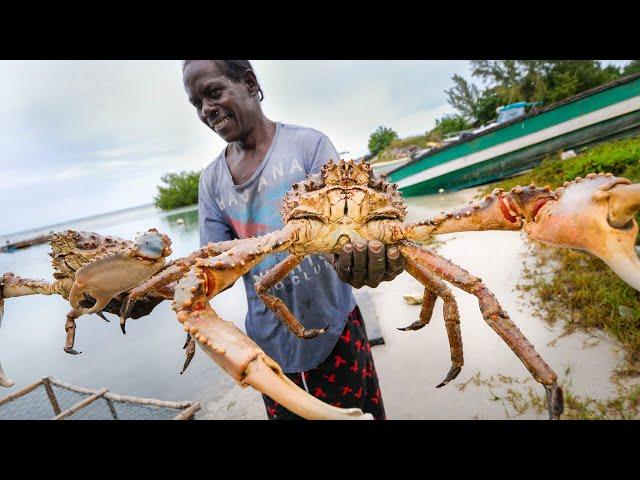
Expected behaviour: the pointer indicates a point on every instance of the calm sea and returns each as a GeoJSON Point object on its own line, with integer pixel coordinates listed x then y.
{"type": "Point", "coordinates": [145, 362]}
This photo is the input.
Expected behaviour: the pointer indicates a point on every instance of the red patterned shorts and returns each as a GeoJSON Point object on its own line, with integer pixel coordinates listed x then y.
{"type": "Point", "coordinates": [346, 379]}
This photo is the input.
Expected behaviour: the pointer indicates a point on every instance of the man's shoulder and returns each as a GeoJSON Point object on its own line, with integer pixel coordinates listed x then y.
{"type": "Point", "coordinates": [212, 173]}
{"type": "Point", "coordinates": [214, 167]}
{"type": "Point", "coordinates": [303, 134]}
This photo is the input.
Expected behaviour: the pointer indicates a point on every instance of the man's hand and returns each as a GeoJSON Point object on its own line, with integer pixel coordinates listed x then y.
{"type": "Point", "coordinates": [361, 264]}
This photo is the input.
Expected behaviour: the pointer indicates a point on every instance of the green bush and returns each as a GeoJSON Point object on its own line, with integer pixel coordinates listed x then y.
{"type": "Point", "coordinates": [181, 190]}
{"type": "Point", "coordinates": [451, 124]}
{"type": "Point", "coordinates": [380, 139]}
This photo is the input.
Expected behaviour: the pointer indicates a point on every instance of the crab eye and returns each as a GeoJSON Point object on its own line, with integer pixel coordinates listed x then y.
{"type": "Point", "coordinates": [149, 245]}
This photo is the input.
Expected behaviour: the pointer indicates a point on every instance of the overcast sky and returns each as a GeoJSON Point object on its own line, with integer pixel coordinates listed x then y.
{"type": "Point", "coordinates": [79, 138]}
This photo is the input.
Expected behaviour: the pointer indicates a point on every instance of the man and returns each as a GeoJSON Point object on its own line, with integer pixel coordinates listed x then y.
{"type": "Point", "coordinates": [240, 195]}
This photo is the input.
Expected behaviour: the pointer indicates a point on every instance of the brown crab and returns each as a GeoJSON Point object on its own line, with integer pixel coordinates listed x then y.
{"type": "Point", "coordinates": [346, 202]}
{"type": "Point", "coordinates": [105, 267]}
{"type": "Point", "coordinates": [91, 268]}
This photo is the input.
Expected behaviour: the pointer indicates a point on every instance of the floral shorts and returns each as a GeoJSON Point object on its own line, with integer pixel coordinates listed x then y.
{"type": "Point", "coordinates": [346, 379]}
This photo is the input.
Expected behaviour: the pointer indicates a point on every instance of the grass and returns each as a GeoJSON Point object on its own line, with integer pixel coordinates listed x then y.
{"type": "Point", "coordinates": [519, 396]}
{"type": "Point", "coordinates": [420, 141]}
{"type": "Point", "coordinates": [621, 157]}
{"type": "Point", "coordinates": [576, 288]}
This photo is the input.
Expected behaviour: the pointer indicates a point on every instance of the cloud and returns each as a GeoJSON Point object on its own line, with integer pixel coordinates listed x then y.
{"type": "Point", "coordinates": [85, 137]}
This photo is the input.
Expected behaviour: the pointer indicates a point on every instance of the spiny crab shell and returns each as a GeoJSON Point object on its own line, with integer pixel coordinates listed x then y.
{"type": "Point", "coordinates": [345, 197]}
{"type": "Point", "coordinates": [71, 250]}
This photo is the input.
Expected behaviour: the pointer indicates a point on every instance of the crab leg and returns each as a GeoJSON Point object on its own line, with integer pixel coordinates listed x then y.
{"type": "Point", "coordinates": [434, 287]}
{"type": "Point", "coordinates": [426, 312]}
{"type": "Point", "coordinates": [70, 328]}
{"type": "Point", "coordinates": [594, 214]}
{"type": "Point", "coordinates": [190, 351]}
{"type": "Point", "coordinates": [241, 358]}
{"type": "Point", "coordinates": [4, 380]}
{"type": "Point", "coordinates": [497, 319]}
{"type": "Point", "coordinates": [227, 345]}
{"type": "Point", "coordinates": [172, 273]}
{"type": "Point", "coordinates": [276, 305]}
{"type": "Point", "coordinates": [14, 286]}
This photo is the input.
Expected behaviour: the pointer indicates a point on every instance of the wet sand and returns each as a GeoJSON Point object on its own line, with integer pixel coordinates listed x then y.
{"type": "Point", "coordinates": [410, 364]}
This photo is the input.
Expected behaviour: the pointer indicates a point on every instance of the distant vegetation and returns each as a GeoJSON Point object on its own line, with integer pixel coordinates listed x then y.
{"type": "Point", "coordinates": [505, 82]}
{"type": "Point", "coordinates": [508, 81]}
{"type": "Point", "coordinates": [579, 289]}
{"type": "Point", "coordinates": [181, 190]}
{"type": "Point", "coordinates": [380, 139]}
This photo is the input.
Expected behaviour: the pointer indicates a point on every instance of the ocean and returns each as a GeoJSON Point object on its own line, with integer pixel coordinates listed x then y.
{"type": "Point", "coordinates": [147, 360]}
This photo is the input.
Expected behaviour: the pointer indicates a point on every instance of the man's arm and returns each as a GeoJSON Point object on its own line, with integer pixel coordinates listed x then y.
{"type": "Point", "coordinates": [361, 263]}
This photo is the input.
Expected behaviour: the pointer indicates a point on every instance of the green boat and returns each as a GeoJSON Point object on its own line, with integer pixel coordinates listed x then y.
{"type": "Point", "coordinates": [604, 113]}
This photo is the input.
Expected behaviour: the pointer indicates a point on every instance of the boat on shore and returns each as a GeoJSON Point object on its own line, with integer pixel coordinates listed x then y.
{"type": "Point", "coordinates": [601, 114]}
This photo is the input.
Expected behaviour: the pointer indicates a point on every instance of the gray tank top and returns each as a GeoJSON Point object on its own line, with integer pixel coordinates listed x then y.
{"type": "Point", "coordinates": [312, 291]}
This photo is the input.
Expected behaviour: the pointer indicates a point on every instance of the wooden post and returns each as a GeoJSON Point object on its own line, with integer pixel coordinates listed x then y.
{"type": "Point", "coordinates": [73, 409]}
{"type": "Point", "coordinates": [112, 408]}
{"type": "Point", "coordinates": [21, 392]}
{"type": "Point", "coordinates": [52, 396]}
{"type": "Point", "coordinates": [187, 413]}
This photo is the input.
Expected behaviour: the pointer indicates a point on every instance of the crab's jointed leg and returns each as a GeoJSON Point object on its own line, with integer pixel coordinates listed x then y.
{"type": "Point", "coordinates": [496, 317]}
{"type": "Point", "coordinates": [171, 273]}
{"type": "Point", "coordinates": [4, 380]}
{"type": "Point", "coordinates": [189, 350]}
{"type": "Point", "coordinates": [595, 214]}
{"type": "Point", "coordinates": [227, 345]}
{"type": "Point", "coordinates": [14, 286]}
{"type": "Point", "coordinates": [434, 287]}
{"type": "Point", "coordinates": [276, 305]}
{"type": "Point", "coordinates": [70, 328]}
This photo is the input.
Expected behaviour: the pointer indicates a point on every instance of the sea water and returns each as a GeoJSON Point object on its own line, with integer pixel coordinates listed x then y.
{"type": "Point", "coordinates": [147, 360]}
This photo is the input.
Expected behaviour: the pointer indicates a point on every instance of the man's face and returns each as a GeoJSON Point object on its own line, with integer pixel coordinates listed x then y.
{"type": "Point", "coordinates": [226, 107]}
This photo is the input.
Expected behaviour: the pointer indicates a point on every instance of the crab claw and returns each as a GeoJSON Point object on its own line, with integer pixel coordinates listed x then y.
{"type": "Point", "coordinates": [248, 364]}
{"type": "Point", "coordinates": [4, 380]}
{"type": "Point", "coordinates": [106, 277]}
{"type": "Point", "coordinates": [595, 214]}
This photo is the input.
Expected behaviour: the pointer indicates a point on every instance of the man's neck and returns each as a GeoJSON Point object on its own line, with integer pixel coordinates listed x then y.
{"type": "Point", "coordinates": [260, 135]}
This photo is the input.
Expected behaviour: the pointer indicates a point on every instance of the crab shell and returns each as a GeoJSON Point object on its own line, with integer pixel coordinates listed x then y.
{"type": "Point", "coordinates": [119, 270]}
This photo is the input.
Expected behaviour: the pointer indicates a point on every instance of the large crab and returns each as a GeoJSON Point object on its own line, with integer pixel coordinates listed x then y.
{"type": "Point", "coordinates": [346, 202]}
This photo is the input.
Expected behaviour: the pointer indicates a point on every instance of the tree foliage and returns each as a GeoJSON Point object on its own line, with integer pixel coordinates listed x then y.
{"type": "Point", "coordinates": [509, 81]}
{"type": "Point", "coordinates": [632, 67]}
{"type": "Point", "coordinates": [451, 124]}
{"type": "Point", "coordinates": [181, 190]}
{"type": "Point", "coordinates": [380, 139]}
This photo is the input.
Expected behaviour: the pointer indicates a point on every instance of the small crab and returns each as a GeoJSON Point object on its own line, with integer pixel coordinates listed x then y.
{"type": "Point", "coordinates": [91, 268]}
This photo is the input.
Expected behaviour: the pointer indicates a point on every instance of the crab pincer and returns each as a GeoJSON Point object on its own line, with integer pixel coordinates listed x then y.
{"type": "Point", "coordinates": [237, 354]}
{"type": "Point", "coordinates": [4, 380]}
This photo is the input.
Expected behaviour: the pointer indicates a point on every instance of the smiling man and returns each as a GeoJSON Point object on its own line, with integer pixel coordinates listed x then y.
{"type": "Point", "coordinates": [240, 195]}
